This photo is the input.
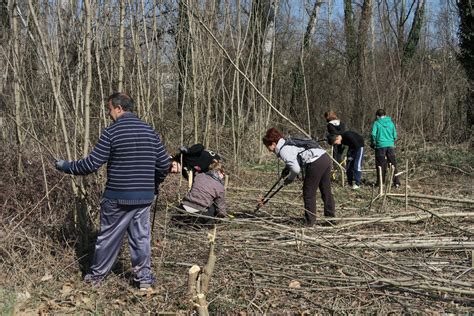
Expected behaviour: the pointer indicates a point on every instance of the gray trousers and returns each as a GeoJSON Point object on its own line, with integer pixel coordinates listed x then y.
{"type": "Point", "coordinates": [115, 220]}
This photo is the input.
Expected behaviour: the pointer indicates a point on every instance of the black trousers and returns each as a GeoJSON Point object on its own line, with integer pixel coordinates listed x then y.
{"type": "Point", "coordinates": [383, 157]}
{"type": "Point", "coordinates": [337, 152]}
{"type": "Point", "coordinates": [318, 175]}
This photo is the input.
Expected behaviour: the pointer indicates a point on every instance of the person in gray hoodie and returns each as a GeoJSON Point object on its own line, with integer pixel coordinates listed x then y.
{"type": "Point", "coordinates": [382, 140]}
{"type": "Point", "coordinates": [207, 194]}
{"type": "Point", "coordinates": [316, 165]}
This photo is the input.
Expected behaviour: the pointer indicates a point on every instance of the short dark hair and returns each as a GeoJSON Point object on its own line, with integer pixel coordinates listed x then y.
{"type": "Point", "coordinates": [122, 99]}
{"type": "Point", "coordinates": [380, 112]}
{"type": "Point", "coordinates": [331, 138]}
{"type": "Point", "coordinates": [271, 136]}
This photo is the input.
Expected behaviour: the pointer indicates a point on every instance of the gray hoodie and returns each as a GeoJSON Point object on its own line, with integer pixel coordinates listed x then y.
{"type": "Point", "coordinates": [289, 154]}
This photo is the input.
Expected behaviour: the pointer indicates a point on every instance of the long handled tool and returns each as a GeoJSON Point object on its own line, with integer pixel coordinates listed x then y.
{"type": "Point", "coordinates": [280, 183]}
{"type": "Point", "coordinates": [155, 202]}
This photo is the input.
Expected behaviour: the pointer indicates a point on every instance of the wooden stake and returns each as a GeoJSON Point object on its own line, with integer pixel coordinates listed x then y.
{"type": "Point", "coordinates": [406, 186]}
{"type": "Point", "coordinates": [193, 274]}
{"type": "Point", "coordinates": [211, 261]}
{"type": "Point", "coordinates": [226, 182]}
{"type": "Point", "coordinates": [201, 305]}
{"type": "Point", "coordinates": [190, 180]}
{"type": "Point", "coordinates": [380, 181]}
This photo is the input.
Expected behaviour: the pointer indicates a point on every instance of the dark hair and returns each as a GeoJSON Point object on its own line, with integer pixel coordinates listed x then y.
{"type": "Point", "coordinates": [380, 112]}
{"type": "Point", "coordinates": [331, 138]}
{"type": "Point", "coordinates": [330, 115]}
{"type": "Point", "coordinates": [122, 99]}
{"type": "Point", "coordinates": [271, 136]}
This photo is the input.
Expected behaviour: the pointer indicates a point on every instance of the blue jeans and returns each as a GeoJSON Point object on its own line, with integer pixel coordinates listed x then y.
{"type": "Point", "coordinates": [355, 158]}
{"type": "Point", "coordinates": [115, 220]}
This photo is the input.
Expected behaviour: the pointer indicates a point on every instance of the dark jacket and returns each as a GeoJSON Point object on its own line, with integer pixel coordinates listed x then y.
{"type": "Point", "coordinates": [207, 189]}
{"type": "Point", "coordinates": [336, 127]}
{"type": "Point", "coordinates": [136, 160]}
{"type": "Point", "coordinates": [352, 140]}
{"type": "Point", "coordinates": [196, 159]}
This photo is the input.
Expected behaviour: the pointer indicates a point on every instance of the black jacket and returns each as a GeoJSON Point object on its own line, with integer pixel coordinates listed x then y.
{"type": "Point", "coordinates": [336, 129]}
{"type": "Point", "coordinates": [352, 140]}
{"type": "Point", "coordinates": [196, 159]}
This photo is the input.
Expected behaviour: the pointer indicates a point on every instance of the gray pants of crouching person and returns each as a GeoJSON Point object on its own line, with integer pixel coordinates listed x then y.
{"type": "Point", "coordinates": [115, 220]}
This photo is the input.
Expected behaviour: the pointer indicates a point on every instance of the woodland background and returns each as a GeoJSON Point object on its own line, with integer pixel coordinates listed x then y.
{"type": "Point", "coordinates": [222, 72]}
{"type": "Point", "coordinates": [218, 72]}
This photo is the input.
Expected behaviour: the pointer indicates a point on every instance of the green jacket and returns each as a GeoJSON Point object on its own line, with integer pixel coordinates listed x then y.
{"type": "Point", "coordinates": [384, 133]}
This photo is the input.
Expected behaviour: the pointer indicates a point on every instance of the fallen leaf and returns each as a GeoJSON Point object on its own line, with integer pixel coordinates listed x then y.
{"type": "Point", "coordinates": [294, 284]}
{"type": "Point", "coordinates": [120, 302]}
{"type": "Point", "coordinates": [53, 304]}
{"type": "Point", "coordinates": [23, 296]}
{"type": "Point", "coordinates": [67, 289]}
{"type": "Point", "coordinates": [46, 277]}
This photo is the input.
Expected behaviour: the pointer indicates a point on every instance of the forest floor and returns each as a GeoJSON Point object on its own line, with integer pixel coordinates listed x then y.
{"type": "Point", "coordinates": [381, 256]}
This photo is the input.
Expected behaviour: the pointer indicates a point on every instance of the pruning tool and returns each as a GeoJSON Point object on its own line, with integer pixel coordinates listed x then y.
{"type": "Point", "coordinates": [278, 185]}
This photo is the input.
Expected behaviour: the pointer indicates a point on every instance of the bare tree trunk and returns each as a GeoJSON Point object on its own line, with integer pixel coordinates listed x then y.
{"type": "Point", "coordinates": [466, 57]}
{"type": "Point", "coordinates": [360, 103]}
{"type": "Point", "coordinates": [16, 86]}
{"type": "Point", "coordinates": [50, 68]}
{"type": "Point", "coordinates": [88, 62]}
{"type": "Point", "coordinates": [298, 72]}
{"type": "Point", "coordinates": [351, 39]}
{"type": "Point", "coordinates": [409, 48]}
{"type": "Point", "coordinates": [182, 50]}
{"type": "Point", "coordinates": [121, 46]}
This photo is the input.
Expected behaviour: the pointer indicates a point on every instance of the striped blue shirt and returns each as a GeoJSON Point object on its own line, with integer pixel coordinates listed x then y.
{"type": "Point", "coordinates": [136, 160]}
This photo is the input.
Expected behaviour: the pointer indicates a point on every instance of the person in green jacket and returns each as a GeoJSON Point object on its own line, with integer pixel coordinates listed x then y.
{"type": "Point", "coordinates": [383, 139]}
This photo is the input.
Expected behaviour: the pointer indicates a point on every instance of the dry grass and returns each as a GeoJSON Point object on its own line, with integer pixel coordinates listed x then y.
{"type": "Point", "coordinates": [374, 260]}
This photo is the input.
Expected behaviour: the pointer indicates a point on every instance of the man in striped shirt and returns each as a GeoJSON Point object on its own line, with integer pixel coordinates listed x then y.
{"type": "Point", "coordinates": [137, 163]}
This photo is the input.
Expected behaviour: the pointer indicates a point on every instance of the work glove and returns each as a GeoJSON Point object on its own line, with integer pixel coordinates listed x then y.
{"type": "Point", "coordinates": [287, 181]}
{"type": "Point", "coordinates": [285, 172]}
{"type": "Point", "coordinates": [61, 165]}
{"type": "Point", "coordinates": [183, 149]}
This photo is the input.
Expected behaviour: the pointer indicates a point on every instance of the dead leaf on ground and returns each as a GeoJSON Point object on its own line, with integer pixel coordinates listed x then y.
{"type": "Point", "coordinates": [46, 277]}
{"type": "Point", "coordinates": [294, 284]}
{"type": "Point", "coordinates": [23, 296]}
{"type": "Point", "coordinates": [67, 289]}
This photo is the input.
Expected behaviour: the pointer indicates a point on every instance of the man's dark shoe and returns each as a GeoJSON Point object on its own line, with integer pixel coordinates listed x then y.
{"type": "Point", "coordinates": [94, 280]}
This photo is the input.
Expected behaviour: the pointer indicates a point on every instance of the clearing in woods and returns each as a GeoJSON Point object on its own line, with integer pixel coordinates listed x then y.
{"type": "Point", "coordinates": [383, 255]}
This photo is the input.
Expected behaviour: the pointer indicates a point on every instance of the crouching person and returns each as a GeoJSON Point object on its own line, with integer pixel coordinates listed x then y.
{"type": "Point", "coordinates": [192, 160]}
{"type": "Point", "coordinates": [207, 194]}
